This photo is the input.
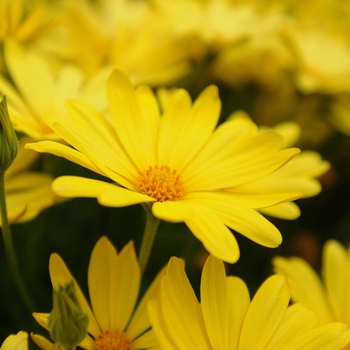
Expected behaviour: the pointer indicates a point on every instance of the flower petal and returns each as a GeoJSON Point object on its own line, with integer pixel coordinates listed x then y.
{"type": "Point", "coordinates": [286, 211]}
{"type": "Point", "coordinates": [265, 313]}
{"type": "Point", "coordinates": [41, 341]}
{"type": "Point", "coordinates": [238, 304]}
{"type": "Point", "coordinates": [329, 336]}
{"type": "Point", "coordinates": [305, 285]}
{"type": "Point", "coordinates": [171, 211]}
{"type": "Point", "coordinates": [336, 273]}
{"type": "Point", "coordinates": [181, 136]}
{"type": "Point", "coordinates": [244, 220]}
{"type": "Point", "coordinates": [135, 131]}
{"type": "Point", "coordinates": [210, 230]}
{"type": "Point", "coordinates": [214, 301]}
{"type": "Point", "coordinates": [181, 311]}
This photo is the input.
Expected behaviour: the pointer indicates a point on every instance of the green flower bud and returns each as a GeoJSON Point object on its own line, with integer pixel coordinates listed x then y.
{"type": "Point", "coordinates": [67, 322]}
{"type": "Point", "coordinates": [8, 138]}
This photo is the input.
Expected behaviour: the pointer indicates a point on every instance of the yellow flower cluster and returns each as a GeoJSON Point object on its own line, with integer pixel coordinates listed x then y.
{"type": "Point", "coordinates": [198, 111]}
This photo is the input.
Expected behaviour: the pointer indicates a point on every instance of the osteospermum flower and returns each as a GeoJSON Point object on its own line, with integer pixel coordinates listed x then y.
{"type": "Point", "coordinates": [177, 162]}
{"type": "Point", "coordinates": [328, 297]}
{"type": "Point", "coordinates": [27, 192]}
{"type": "Point", "coordinates": [114, 283]}
{"type": "Point", "coordinates": [227, 319]}
{"type": "Point", "coordinates": [17, 341]}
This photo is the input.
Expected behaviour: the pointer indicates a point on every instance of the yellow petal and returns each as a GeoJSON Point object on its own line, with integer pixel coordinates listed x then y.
{"type": "Point", "coordinates": [305, 285]}
{"type": "Point", "coordinates": [102, 283]}
{"type": "Point", "coordinates": [214, 235]}
{"type": "Point", "coordinates": [180, 309]}
{"type": "Point", "coordinates": [171, 211]}
{"type": "Point", "coordinates": [42, 319]}
{"type": "Point", "coordinates": [63, 151]}
{"type": "Point", "coordinates": [336, 273]}
{"type": "Point", "coordinates": [286, 211]}
{"type": "Point", "coordinates": [265, 313]}
{"type": "Point", "coordinates": [238, 304]}
{"type": "Point", "coordinates": [140, 322]}
{"type": "Point", "coordinates": [297, 321]}
{"type": "Point", "coordinates": [135, 131]}
{"type": "Point", "coordinates": [184, 134]}
{"type": "Point", "coordinates": [241, 219]}
{"type": "Point", "coordinates": [60, 275]}
{"type": "Point", "coordinates": [127, 276]}
{"type": "Point", "coordinates": [329, 336]}
{"type": "Point", "coordinates": [17, 341]}
{"type": "Point", "coordinates": [214, 301]}
{"type": "Point", "coordinates": [41, 341]}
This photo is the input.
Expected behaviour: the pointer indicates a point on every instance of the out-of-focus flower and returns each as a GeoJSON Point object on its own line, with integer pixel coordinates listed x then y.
{"type": "Point", "coordinates": [17, 341]}
{"type": "Point", "coordinates": [177, 163]}
{"type": "Point", "coordinates": [123, 34]}
{"type": "Point", "coordinates": [329, 298]}
{"type": "Point", "coordinates": [38, 91]}
{"type": "Point", "coordinates": [322, 58]}
{"type": "Point", "coordinates": [27, 192]}
{"type": "Point", "coordinates": [340, 113]}
{"type": "Point", "coordinates": [114, 283]}
{"type": "Point", "coordinates": [298, 175]}
{"type": "Point", "coordinates": [227, 319]}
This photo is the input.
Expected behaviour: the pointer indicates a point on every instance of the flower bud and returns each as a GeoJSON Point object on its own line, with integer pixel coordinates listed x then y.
{"type": "Point", "coordinates": [8, 138]}
{"type": "Point", "coordinates": [67, 322]}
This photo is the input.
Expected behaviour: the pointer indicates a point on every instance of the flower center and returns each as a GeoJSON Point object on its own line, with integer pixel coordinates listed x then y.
{"type": "Point", "coordinates": [112, 340]}
{"type": "Point", "coordinates": [160, 183]}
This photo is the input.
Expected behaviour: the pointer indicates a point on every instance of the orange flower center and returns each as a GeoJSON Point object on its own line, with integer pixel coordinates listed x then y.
{"type": "Point", "coordinates": [112, 340]}
{"type": "Point", "coordinates": [160, 183]}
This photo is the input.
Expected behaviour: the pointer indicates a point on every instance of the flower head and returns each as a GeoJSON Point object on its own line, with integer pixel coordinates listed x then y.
{"type": "Point", "coordinates": [227, 319]}
{"type": "Point", "coordinates": [113, 281]}
{"type": "Point", "coordinates": [177, 162]}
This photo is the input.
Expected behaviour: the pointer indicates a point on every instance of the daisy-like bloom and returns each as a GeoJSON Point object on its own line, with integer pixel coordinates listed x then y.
{"type": "Point", "coordinates": [27, 192]}
{"type": "Point", "coordinates": [124, 34]}
{"type": "Point", "coordinates": [177, 163]}
{"type": "Point", "coordinates": [114, 282]}
{"type": "Point", "coordinates": [39, 91]}
{"type": "Point", "coordinates": [328, 297]}
{"type": "Point", "coordinates": [226, 319]}
{"type": "Point", "coordinates": [298, 175]}
{"type": "Point", "coordinates": [17, 341]}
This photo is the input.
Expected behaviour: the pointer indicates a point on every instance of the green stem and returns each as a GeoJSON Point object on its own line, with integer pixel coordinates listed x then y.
{"type": "Point", "coordinates": [152, 224]}
{"type": "Point", "coordinates": [10, 254]}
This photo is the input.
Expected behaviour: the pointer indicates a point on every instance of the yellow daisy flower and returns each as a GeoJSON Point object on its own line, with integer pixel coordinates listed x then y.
{"type": "Point", "coordinates": [39, 91]}
{"type": "Point", "coordinates": [114, 283]}
{"type": "Point", "coordinates": [227, 319]}
{"type": "Point", "coordinates": [175, 162]}
{"type": "Point", "coordinates": [329, 298]}
{"type": "Point", "coordinates": [27, 192]}
{"type": "Point", "coordinates": [298, 175]}
{"type": "Point", "coordinates": [17, 341]}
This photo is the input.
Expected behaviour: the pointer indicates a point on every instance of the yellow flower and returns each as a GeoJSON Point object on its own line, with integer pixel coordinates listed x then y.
{"type": "Point", "coordinates": [123, 34]}
{"type": "Point", "coordinates": [27, 192]}
{"type": "Point", "coordinates": [16, 342]}
{"type": "Point", "coordinates": [39, 91]}
{"type": "Point", "coordinates": [176, 163]}
{"type": "Point", "coordinates": [329, 298]}
{"type": "Point", "coordinates": [227, 319]}
{"type": "Point", "coordinates": [298, 175]}
{"type": "Point", "coordinates": [114, 283]}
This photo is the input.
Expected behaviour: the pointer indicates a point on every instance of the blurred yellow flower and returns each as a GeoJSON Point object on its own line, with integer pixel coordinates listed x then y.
{"type": "Point", "coordinates": [298, 175]}
{"type": "Point", "coordinates": [17, 341]}
{"type": "Point", "coordinates": [27, 192]}
{"type": "Point", "coordinates": [114, 283]}
{"type": "Point", "coordinates": [177, 163]}
{"type": "Point", "coordinates": [123, 34]}
{"type": "Point", "coordinates": [329, 298]}
{"type": "Point", "coordinates": [39, 91]}
{"type": "Point", "coordinates": [227, 319]}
